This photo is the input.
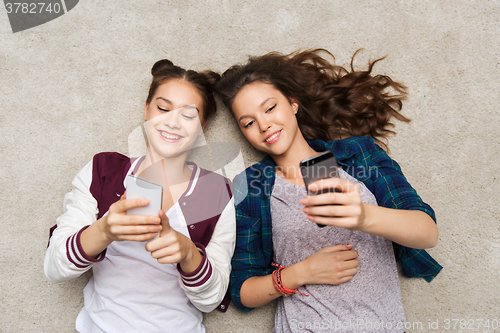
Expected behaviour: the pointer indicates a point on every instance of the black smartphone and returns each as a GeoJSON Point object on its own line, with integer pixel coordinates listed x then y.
{"type": "Point", "coordinates": [321, 166]}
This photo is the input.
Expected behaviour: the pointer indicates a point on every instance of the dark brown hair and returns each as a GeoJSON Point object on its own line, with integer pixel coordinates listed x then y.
{"type": "Point", "coordinates": [204, 82]}
{"type": "Point", "coordinates": [334, 103]}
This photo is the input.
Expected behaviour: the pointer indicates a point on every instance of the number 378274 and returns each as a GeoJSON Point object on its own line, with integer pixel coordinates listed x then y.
{"type": "Point", "coordinates": [32, 7]}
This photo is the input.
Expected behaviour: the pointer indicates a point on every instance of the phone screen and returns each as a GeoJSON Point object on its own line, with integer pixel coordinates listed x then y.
{"type": "Point", "coordinates": [141, 188]}
{"type": "Point", "coordinates": [318, 167]}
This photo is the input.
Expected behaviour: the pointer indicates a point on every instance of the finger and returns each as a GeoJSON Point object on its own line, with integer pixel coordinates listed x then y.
{"type": "Point", "coordinates": [128, 220]}
{"type": "Point", "coordinates": [134, 230]}
{"type": "Point", "coordinates": [159, 243]}
{"type": "Point", "coordinates": [173, 259]}
{"type": "Point", "coordinates": [343, 222]}
{"type": "Point", "coordinates": [337, 248]}
{"type": "Point", "coordinates": [350, 272]}
{"type": "Point", "coordinates": [166, 251]}
{"type": "Point", "coordinates": [331, 198]}
{"type": "Point", "coordinates": [342, 185]}
{"type": "Point", "coordinates": [166, 228]}
{"type": "Point", "coordinates": [137, 238]}
{"type": "Point", "coordinates": [351, 261]}
{"type": "Point", "coordinates": [126, 204]}
{"type": "Point", "coordinates": [333, 210]}
{"type": "Point", "coordinates": [164, 220]}
{"type": "Point", "coordinates": [349, 257]}
{"type": "Point", "coordinates": [345, 279]}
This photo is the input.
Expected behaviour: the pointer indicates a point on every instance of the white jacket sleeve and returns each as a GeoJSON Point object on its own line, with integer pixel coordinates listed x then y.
{"type": "Point", "coordinates": [207, 285]}
{"type": "Point", "coordinates": [65, 259]}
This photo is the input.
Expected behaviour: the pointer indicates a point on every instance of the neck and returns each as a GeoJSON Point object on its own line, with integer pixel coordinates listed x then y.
{"type": "Point", "coordinates": [175, 168]}
{"type": "Point", "coordinates": [287, 164]}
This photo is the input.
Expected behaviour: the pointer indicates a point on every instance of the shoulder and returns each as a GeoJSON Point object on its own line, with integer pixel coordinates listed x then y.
{"type": "Point", "coordinates": [254, 180]}
{"type": "Point", "coordinates": [255, 170]}
{"type": "Point", "coordinates": [360, 156]}
{"type": "Point", "coordinates": [349, 148]}
{"type": "Point", "coordinates": [264, 168]}
{"type": "Point", "coordinates": [110, 163]}
{"type": "Point", "coordinates": [359, 151]}
{"type": "Point", "coordinates": [353, 146]}
{"type": "Point", "coordinates": [109, 158]}
{"type": "Point", "coordinates": [108, 171]}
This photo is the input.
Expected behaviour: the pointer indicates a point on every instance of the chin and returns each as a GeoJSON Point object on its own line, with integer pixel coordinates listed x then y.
{"type": "Point", "coordinates": [273, 151]}
{"type": "Point", "coordinates": [165, 153]}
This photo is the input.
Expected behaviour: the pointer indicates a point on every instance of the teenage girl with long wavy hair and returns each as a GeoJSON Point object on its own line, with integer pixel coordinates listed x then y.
{"type": "Point", "coordinates": [292, 107]}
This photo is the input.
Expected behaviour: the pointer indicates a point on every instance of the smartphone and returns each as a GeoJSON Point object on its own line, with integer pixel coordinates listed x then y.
{"type": "Point", "coordinates": [141, 188]}
{"type": "Point", "coordinates": [319, 167]}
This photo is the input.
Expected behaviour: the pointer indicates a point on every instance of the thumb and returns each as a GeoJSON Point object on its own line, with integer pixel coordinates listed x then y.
{"type": "Point", "coordinates": [165, 225]}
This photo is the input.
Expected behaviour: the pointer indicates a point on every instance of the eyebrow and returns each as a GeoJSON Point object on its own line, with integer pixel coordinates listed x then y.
{"type": "Point", "coordinates": [192, 106]}
{"type": "Point", "coordinates": [260, 105]}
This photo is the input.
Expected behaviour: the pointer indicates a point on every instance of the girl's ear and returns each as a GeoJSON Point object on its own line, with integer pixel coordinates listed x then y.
{"type": "Point", "coordinates": [295, 105]}
{"type": "Point", "coordinates": [146, 112]}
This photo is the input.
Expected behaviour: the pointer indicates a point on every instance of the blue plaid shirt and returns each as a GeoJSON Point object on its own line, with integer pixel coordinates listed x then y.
{"type": "Point", "coordinates": [358, 156]}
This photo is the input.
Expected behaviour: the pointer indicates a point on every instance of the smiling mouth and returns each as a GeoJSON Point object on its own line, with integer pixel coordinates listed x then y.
{"type": "Point", "coordinates": [169, 137]}
{"type": "Point", "coordinates": [273, 137]}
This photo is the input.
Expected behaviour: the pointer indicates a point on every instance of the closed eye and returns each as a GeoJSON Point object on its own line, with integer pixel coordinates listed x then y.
{"type": "Point", "coordinates": [271, 108]}
{"type": "Point", "coordinates": [162, 109]}
{"type": "Point", "coordinates": [248, 124]}
{"type": "Point", "coordinates": [188, 117]}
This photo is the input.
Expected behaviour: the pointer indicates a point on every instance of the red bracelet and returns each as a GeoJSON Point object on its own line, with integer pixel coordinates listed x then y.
{"type": "Point", "coordinates": [278, 285]}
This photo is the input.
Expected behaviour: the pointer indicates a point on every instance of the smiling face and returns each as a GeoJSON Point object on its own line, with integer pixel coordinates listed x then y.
{"type": "Point", "coordinates": [173, 119]}
{"type": "Point", "coordinates": [266, 118]}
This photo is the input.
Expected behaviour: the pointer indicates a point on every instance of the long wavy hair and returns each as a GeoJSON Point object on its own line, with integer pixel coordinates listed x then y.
{"type": "Point", "coordinates": [334, 102]}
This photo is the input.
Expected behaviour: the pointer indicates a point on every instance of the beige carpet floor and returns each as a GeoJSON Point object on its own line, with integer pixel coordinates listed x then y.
{"type": "Point", "coordinates": [76, 86]}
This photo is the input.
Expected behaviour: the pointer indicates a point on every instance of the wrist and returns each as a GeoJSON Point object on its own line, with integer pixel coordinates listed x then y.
{"type": "Point", "coordinates": [192, 259]}
{"type": "Point", "coordinates": [100, 224]}
{"type": "Point", "coordinates": [292, 276]}
{"type": "Point", "coordinates": [92, 241]}
{"type": "Point", "coordinates": [369, 221]}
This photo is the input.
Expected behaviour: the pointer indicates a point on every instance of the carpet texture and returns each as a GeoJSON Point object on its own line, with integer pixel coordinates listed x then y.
{"type": "Point", "coordinates": [76, 86]}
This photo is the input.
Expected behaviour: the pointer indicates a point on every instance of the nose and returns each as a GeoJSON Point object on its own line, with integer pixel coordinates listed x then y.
{"type": "Point", "coordinates": [263, 124]}
{"type": "Point", "coordinates": [171, 119]}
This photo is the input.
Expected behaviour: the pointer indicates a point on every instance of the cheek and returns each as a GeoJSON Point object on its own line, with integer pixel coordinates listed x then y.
{"type": "Point", "coordinates": [153, 117]}
{"type": "Point", "coordinates": [289, 119]}
{"type": "Point", "coordinates": [192, 128]}
{"type": "Point", "coordinates": [251, 134]}
{"type": "Point", "coordinates": [152, 123]}
{"type": "Point", "coordinates": [150, 131]}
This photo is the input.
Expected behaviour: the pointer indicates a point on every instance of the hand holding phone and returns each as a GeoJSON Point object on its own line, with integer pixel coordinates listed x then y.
{"type": "Point", "coordinates": [117, 223]}
{"type": "Point", "coordinates": [321, 166]}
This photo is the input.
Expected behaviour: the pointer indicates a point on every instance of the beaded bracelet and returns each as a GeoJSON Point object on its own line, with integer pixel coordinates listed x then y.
{"type": "Point", "coordinates": [278, 285]}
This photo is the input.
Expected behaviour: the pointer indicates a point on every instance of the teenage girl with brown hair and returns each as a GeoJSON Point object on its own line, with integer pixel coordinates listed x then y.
{"type": "Point", "coordinates": [144, 283]}
{"type": "Point", "coordinates": [292, 107]}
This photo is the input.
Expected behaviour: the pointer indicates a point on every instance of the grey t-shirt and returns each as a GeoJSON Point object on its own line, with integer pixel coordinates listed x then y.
{"type": "Point", "coordinates": [370, 302]}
